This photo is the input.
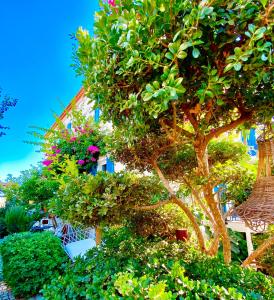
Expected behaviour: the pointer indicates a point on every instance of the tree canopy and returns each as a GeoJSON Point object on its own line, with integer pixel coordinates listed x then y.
{"type": "Point", "coordinates": [172, 75]}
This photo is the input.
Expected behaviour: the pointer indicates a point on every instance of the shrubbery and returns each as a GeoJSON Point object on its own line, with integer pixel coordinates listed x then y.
{"type": "Point", "coordinates": [128, 267]}
{"type": "Point", "coordinates": [31, 260]}
{"type": "Point", "coordinates": [17, 220]}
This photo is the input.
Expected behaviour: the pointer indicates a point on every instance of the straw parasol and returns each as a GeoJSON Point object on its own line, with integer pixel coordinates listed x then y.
{"type": "Point", "coordinates": [258, 211]}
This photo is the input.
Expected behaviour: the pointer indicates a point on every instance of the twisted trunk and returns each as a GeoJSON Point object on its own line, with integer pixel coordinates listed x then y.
{"type": "Point", "coordinates": [203, 168]}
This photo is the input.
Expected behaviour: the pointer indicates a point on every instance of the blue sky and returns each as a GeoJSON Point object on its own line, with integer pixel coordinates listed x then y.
{"type": "Point", "coordinates": [35, 58]}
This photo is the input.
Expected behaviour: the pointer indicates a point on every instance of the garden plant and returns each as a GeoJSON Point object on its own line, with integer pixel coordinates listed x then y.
{"type": "Point", "coordinates": [175, 75]}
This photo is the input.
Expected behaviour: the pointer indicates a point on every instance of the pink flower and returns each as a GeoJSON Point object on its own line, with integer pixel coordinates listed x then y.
{"type": "Point", "coordinates": [58, 151]}
{"type": "Point", "coordinates": [111, 2]}
{"type": "Point", "coordinates": [93, 159]}
{"type": "Point", "coordinates": [53, 147]}
{"type": "Point", "coordinates": [81, 162]}
{"type": "Point", "coordinates": [73, 139]}
{"type": "Point", "coordinates": [47, 162]}
{"type": "Point", "coordinates": [93, 149]}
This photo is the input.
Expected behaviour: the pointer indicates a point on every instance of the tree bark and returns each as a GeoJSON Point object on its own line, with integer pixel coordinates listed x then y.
{"type": "Point", "coordinates": [186, 210]}
{"type": "Point", "coordinates": [203, 168]}
{"type": "Point", "coordinates": [195, 225]}
{"type": "Point", "coordinates": [98, 235]}
{"type": "Point", "coordinates": [259, 251]}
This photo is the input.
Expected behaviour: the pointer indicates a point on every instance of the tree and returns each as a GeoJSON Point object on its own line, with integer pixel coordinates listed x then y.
{"type": "Point", "coordinates": [5, 103]}
{"type": "Point", "coordinates": [170, 73]}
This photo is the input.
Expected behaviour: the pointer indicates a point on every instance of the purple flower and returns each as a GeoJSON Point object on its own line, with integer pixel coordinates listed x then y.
{"type": "Point", "coordinates": [93, 149]}
{"type": "Point", "coordinates": [81, 162]}
{"type": "Point", "coordinates": [47, 162]}
{"type": "Point", "coordinates": [53, 147]}
{"type": "Point", "coordinates": [58, 151]}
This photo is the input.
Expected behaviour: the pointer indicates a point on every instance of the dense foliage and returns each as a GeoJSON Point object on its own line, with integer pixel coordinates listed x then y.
{"type": "Point", "coordinates": [6, 102]}
{"type": "Point", "coordinates": [31, 260]}
{"type": "Point", "coordinates": [206, 56]}
{"type": "Point", "coordinates": [126, 267]}
{"type": "Point", "coordinates": [105, 198]}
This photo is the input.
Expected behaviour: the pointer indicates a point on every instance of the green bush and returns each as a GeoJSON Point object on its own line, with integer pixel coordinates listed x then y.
{"type": "Point", "coordinates": [17, 220]}
{"type": "Point", "coordinates": [128, 267]}
{"type": "Point", "coordinates": [31, 260]}
{"type": "Point", "coordinates": [3, 228]}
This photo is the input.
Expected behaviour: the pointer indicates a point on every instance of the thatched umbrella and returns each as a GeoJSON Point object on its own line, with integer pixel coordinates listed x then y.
{"type": "Point", "coordinates": [258, 211]}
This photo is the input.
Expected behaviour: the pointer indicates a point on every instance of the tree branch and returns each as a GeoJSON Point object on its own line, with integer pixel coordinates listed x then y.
{"type": "Point", "coordinates": [153, 206]}
{"type": "Point", "coordinates": [230, 126]}
{"type": "Point", "coordinates": [259, 251]}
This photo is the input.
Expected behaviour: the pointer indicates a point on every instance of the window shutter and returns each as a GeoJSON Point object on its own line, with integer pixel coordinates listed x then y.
{"type": "Point", "coordinates": [97, 115]}
{"type": "Point", "coordinates": [110, 166]}
{"type": "Point", "coordinates": [93, 170]}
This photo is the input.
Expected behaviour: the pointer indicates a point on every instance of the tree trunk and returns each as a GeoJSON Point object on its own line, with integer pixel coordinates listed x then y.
{"type": "Point", "coordinates": [195, 225]}
{"type": "Point", "coordinates": [212, 251]}
{"type": "Point", "coordinates": [98, 235]}
{"type": "Point", "coordinates": [186, 210]}
{"type": "Point", "coordinates": [259, 251]}
{"type": "Point", "coordinates": [203, 168]}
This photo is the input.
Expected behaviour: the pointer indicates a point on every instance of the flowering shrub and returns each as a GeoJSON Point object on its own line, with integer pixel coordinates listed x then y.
{"type": "Point", "coordinates": [83, 143]}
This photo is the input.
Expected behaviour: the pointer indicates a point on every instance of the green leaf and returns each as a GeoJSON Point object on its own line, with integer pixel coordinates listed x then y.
{"type": "Point", "coordinates": [251, 28]}
{"type": "Point", "coordinates": [173, 47]}
{"type": "Point", "coordinates": [238, 51]}
{"type": "Point", "coordinates": [247, 33]}
{"type": "Point", "coordinates": [237, 66]}
{"type": "Point", "coordinates": [185, 45]}
{"type": "Point", "coordinates": [264, 57]}
{"type": "Point", "coordinates": [259, 33]}
{"type": "Point", "coordinates": [195, 53]}
{"type": "Point", "coordinates": [220, 102]}
{"type": "Point", "coordinates": [177, 35]}
{"type": "Point", "coordinates": [181, 54]}
{"type": "Point", "coordinates": [169, 55]}
{"type": "Point", "coordinates": [149, 88]}
{"type": "Point", "coordinates": [228, 67]}
{"type": "Point", "coordinates": [264, 2]}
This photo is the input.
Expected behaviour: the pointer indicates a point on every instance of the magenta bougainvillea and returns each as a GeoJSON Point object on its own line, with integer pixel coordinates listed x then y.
{"type": "Point", "coordinates": [83, 143]}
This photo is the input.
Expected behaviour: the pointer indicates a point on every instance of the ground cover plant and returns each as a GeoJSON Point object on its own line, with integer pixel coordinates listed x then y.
{"type": "Point", "coordinates": [175, 75]}
{"type": "Point", "coordinates": [126, 266]}
{"type": "Point", "coordinates": [31, 260]}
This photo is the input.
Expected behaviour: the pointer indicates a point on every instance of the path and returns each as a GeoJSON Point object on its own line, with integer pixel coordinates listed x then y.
{"type": "Point", "coordinates": [5, 292]}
